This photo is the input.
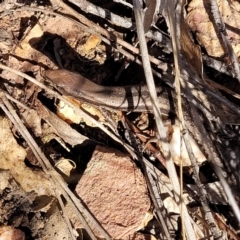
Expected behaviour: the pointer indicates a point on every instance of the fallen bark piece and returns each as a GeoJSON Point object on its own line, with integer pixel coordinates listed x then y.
{"type": "Point", "coordinates": [115, 191]}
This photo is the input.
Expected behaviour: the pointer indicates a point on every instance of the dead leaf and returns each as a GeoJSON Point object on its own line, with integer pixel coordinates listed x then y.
{"type": "Point", "coordinates": [32, 121]}
{"type": "Point", "coordinates": [65, 166]}
{"type": "Point", "coordinates": [148, 217]}
{"type": "Point", "coordinates": [91, 43]}
{"type": "Point", "coordinates": [183, 157]}
{"type": "Point", "coordinates": [67, 113]}
{"type": "Point", "coordinates": [62, 129]}
{"type": "Point", "coordinates": [12, 157]}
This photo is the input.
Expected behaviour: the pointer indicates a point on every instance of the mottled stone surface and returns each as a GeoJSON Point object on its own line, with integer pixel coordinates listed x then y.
{"type": "Point", "coordinates": [114, 189]}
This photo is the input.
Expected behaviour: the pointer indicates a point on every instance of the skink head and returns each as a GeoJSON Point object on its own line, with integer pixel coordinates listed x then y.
{"type": "Point", "coordinates": [68, 83]}
{"type": "Point", "coordinates": [60, 77]}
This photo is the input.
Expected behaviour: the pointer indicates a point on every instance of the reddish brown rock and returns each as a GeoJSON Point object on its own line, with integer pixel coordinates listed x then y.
{"type": "Point", "coordinates": [10, 233]}
{"type": "Point", "coordinates": [114, 189]}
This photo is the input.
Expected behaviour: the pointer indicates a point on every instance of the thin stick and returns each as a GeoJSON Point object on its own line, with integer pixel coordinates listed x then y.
{"type": "Point", "coordinates": [65, 216]}
{"type": "Point", "coordinates": [88, 7]}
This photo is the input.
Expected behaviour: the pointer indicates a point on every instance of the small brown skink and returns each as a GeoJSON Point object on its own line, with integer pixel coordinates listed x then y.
{"type": "Point", "coordinates": [128, 98]}
{"type": "Point", "coordinates": [131, 98]}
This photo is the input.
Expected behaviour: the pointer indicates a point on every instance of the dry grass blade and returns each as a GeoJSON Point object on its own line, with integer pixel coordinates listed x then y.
{"type": "Point", "coordinates": [161, 213]}
{"type": "Point", "coordinates": [174, 16]}
{"type": "Point", "coordinates": [175, 33]}
{"type": "Point", "coordinates": [152, 91]}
